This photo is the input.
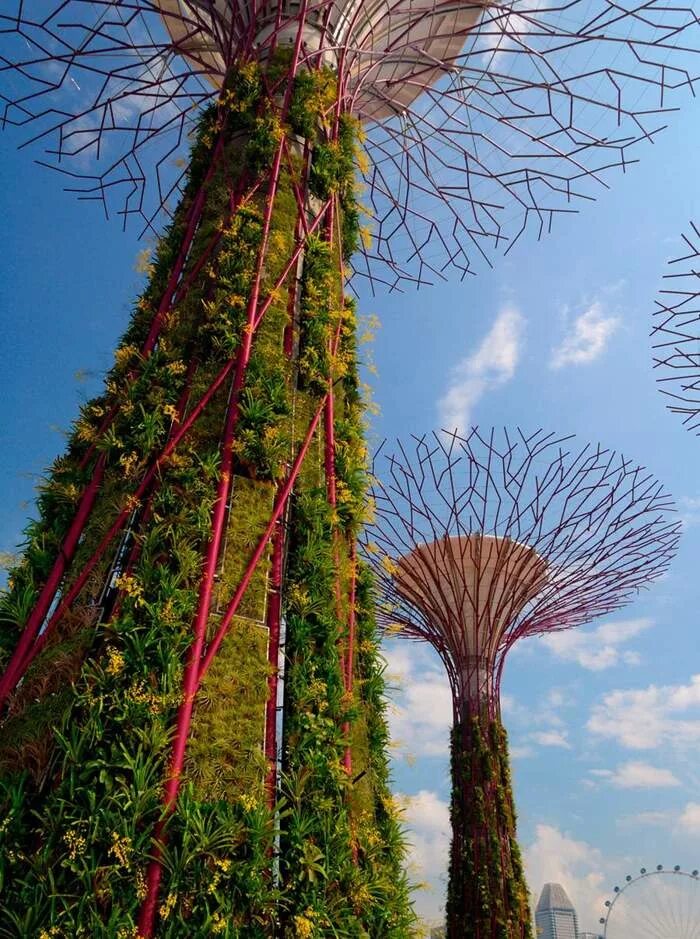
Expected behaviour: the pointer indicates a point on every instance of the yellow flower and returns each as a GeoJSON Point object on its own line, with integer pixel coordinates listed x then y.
{"type": "Point", "coordinates": [140, 885]}
{"type": "Point", "coordinates": [177, 367]}
{"type": "Point", "coordinates": [304, 924]}
{"type": "Point", "coordinates": [171, 411]}
{"type": "Point", "coordinates": [394, 628]}
{"type": "Point", "coordinates": [115, 661]}
{"type": "Point", "coordinates": [218, 923]}
{"type": "Point", "coordinates": [121, 848]}
{"type": "Point", "coordinates": [128, 462]}
{"type": "Point", "coordinates": [248, 802]}
{"type": "Point", "coordinates": [167, 907]}
{"type": "Point", "coordinates": [75, 843]}
{"type": "Point", "coordinates": [131, 587]}
{"type": "Point", "coordinates": [389, 565]}
{"type": "Point", "coordinates": [124, 354]}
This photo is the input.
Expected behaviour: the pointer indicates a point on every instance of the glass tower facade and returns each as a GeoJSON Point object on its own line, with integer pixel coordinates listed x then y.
{"type": "Point", "coordinates": [555, 916]}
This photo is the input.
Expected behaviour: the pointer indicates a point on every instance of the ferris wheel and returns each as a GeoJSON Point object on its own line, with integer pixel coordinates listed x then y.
{"type": "Point", "coordinates": [662, 903]}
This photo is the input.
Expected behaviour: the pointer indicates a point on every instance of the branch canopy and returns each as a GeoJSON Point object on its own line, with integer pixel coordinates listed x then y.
{"type": "Point", "coordinates": [479, 540]}
{"type": "Point", "coordinates": [483, 121]}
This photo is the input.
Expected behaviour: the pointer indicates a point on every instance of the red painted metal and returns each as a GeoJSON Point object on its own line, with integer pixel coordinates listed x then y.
{"type": "Point", "coordinates": [16, 667]}
{"type": "Point", "coordinates": [153, 875]}
{"type": "Point", "coordinates": [279, 505]}
{"type": "Point", "coordinates": [448, 185]}
{"type": "Point", "coordinates": [124, 515]}
{"type": "Point", "coordinates": [524, 534]}
{"type": "Point", "coordinates": [676, 333]}
{"type": "Point", "coordinates": [195, 215]}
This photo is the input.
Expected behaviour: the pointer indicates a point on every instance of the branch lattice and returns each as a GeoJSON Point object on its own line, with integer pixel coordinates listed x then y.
{"type": "Point", "coordinates": [527, 534]}
{"type": "Point", "coordinates": [483, 121]}
{"type": "Point", "coordinates": [676, 334]}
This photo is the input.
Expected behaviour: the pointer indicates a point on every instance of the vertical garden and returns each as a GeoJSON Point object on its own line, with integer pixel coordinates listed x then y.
{"type": "Point", "coordinates": [218, 482]}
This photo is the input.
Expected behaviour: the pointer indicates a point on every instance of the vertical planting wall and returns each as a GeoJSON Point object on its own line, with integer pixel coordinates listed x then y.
{"type": "Point", "coordinates": [487, 892]}
{"type": "Point", "coordinates": [86, 735]}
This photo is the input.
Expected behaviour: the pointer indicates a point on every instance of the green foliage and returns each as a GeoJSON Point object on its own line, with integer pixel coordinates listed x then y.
{"type": "Point", "coordinates": [487, 891]}
{"type": "Point", "coordinates": [86, 742]}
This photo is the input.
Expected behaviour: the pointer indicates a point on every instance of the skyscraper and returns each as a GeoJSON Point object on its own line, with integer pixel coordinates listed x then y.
{"type": "Point", "coordinates": [555, 915]}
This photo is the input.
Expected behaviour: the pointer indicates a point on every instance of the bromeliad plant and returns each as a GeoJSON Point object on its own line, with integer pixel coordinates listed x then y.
{"type": "Point", "coordinates": [216, 485]}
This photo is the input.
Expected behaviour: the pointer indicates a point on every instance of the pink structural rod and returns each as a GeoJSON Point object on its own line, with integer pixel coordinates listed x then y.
{"type": "Point", "coordinates": [195, 214]}
{"type": "Point", "coordinates": [16, 667]}
{"type": "Point", "coordinates": [274, 610]}
{"type": "Point", "coordinates": [174, 285]}
{"type": "Point", "coordinates": [154, 873]}
{"type": "Point", "coordinates": [123, 516]}
{"type": "Point", "coordinates": [280, 503]}
{"type": "Point", "coordinates": [185, 427]}
{"type": "Point", "coordinates": [199, 627]}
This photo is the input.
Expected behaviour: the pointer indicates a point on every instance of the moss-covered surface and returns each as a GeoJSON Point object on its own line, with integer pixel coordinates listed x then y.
{"type": "Point", "coordinates": [487, 892]}
{"type": "Point", "coordinates": [85, 743]}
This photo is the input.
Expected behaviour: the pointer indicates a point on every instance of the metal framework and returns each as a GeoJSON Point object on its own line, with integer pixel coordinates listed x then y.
{"type": "Point", "coordinates": [676, 334]}
{"type": "Point", "coordinates": [480, 541]}
{"type": "Point", "coordinates": [482, 120]}
{"type": "Point", "coordinates": [655, 904]}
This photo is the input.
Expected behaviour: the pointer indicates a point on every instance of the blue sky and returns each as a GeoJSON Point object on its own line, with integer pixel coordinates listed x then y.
{"type": "Point", "coordinates": [604, 722]}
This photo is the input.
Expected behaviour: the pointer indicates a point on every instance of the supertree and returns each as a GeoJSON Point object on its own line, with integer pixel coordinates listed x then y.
{"type": "Point", "coordinates": [676, 334]}
{"type": "Point", "coordinates": [479, 541]}
{"type": "Point", "coordinates": [209, 499]}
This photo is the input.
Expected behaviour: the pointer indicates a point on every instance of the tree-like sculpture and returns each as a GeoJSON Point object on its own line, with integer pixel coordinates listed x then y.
{"type": "Point", "coordinates": [480, 541]}
{"type": "Point", "coordinates": [676, 334]}
{"type": "Point", "coordinates": [142, 627]}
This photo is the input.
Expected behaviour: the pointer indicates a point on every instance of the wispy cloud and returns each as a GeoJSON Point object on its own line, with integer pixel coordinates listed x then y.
{"type": "Point", "coordinates": [645, 718]}
{"type": "Point", "coordinates": [586, 338]}
{"type": "Point", "coordinates": [637, 775]}
{"type": "Point", "coordinates": [599, 648]}
{"type": "Point", "coordinates": [492, 365]}
{"type": "Point", "coordinates": [551, 738]}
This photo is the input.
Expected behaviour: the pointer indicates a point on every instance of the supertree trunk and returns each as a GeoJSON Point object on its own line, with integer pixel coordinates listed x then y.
{"type": "Point", "coordinates": [143, 620]}
{"type": "Point", "coordinates": [487, 895]}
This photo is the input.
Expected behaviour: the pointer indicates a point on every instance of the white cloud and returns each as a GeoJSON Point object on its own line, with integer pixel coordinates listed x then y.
{"type": "Point", "coordinates": [427, 821]}
{"type": "Point", "coordinates": [637, 775]}
{"type": "Point", "coordinates": [586, 339]}
{"type": "Point", "coordinates": [553, 857]}
{"type": "Point", "coordinates": [551, 738]}
{"type": "Point", "coordinates": [645, 718]}
{"type": "Point", "coordinates": [690, 818]}
{"type": "Point", "coordinates": [492, 365]}
{"type": "Point", "coordinates": [599, 648]}
{"type": "Point", "coordinates": [420, 716]}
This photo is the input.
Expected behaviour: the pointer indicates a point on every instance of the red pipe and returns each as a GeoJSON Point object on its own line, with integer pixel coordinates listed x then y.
{"type": "Point", "coordinates": [195, 215]}
{"type": "Point", "coordinates": [16, 667]}
{"type": "Point", "coordinates": [154, 873]}
{"type": "Point", "coordinates": [280, 503]}
{"type": "Point", "coordinates": [199, 627]}
{"type": "Point", "coordinates": [123, 516]}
